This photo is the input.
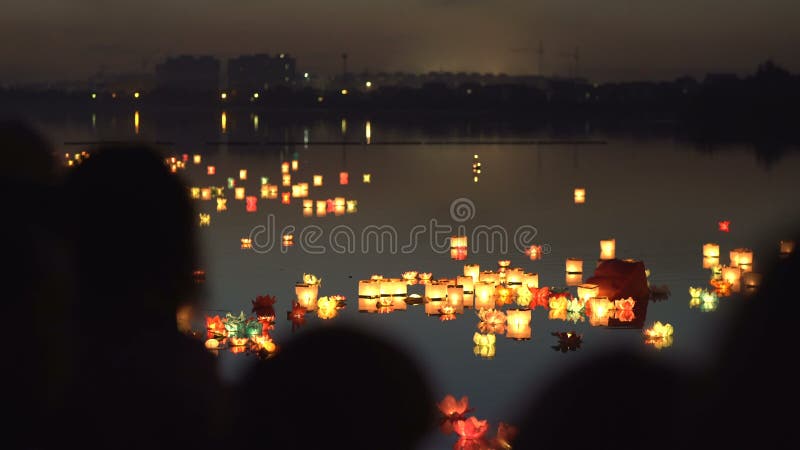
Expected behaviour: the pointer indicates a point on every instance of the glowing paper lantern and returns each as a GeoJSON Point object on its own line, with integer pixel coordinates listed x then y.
{"type": "Point", "coordinates": [503, 264]}
{"type": "Point", "coordinates": [239, 193]}
{"type": "Point", "coordinates": [534, 252]}
{"type": "Point", "coordinates": [472, 270]}
{"type": "Point", "coordinates": [286, 180]}
{"type": "Point", "coordinates": [724, 226]}
{"type": "Point", "coordinates": [530, 280]}
{"type": "Point", "coordinates": [608, 249]}
{"type": "Point", "coordinates": [573, 279]}
{"type": "Point", "coordinates": [484, 295]}
{"type": "Point", "coordinates": [287, 240]}
{"type": "Point", "coordinates": [580, 195]}
{"type": "Point", "coordinates": [308, 204]}
{"type": "Point", "coordinates": [458, 254]}
{"type": "Point", "coordinates": [467, 283]}
{"type": "Point", "coordinates": [295, 165]}
{"type": "Point", "coordinates": [339, 201]}
{"type": "Point", "coordinates": [524, 296]}
{"type": "Point", "coordinates": [222, 204]}
{"type": "Point", "coordinates": [344, 178]}
{"type": "Point", "coordinates": [458, 242]}
{"type": "Point", "coordinates": [306, 295]}
{"type": "Point", "coordinates": [251, 203]}
{"type": "Point", "coordinates": [369, 289]}
{"type": "Point", "coordinates": [367, 178]}
{"type": "Point", "coordinates": [286, 198]}
{"type": "Point", "coordinates": [786, 247]}
{"type": "Point", "coordinates": [752, 279]}
{"type": "Point", "coordinates": [455, 295]}
{"type": "Point", "coordinates": [515, 276]}
{"type": "Point", "coordinates": [322, 208]}
{"type": "Point", "coordinates": [284, 167]}
{"type": "Point", "coordinates": [197, 159]}
{"type": "Point", "coordinates": [587, 291]}
{"type": "Point", "coordinates": [317, 180]}
{"type": "Point", "coordinates": [731, 275]}
{"type": "Point", "coordinates": [710, 262]}
{"type": "Point", "coordinates": [436, 291]}
{"type": "Point", "coordinates": [246, 243]}
{"type": "Point", "coordinates": [243, 174]}
{"type": "Point", "coordinates": [352, 206]}
{"type": "Point", "coordinates": [490, 277]}
{"type": "Point", "coordinates": [368, 305]}
{"type": "Point", "coordinates": [742, 258]}
{"type": "Point", "coordinates": [205, 193]}
{"type": "Point", "coordinates": [211, 170]}
{"type": "Point", "coordinates": [574, 265]}
{"type": "Point", "coordinates": [272, 191]}
{"type": "Point", "coordinates": [205, 220]}
{"type": "Point", "coordinates": [518, 324]}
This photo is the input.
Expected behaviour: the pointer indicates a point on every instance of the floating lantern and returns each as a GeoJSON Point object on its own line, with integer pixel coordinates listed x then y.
{"type": "Point", "coordinates": [524, 296]}
{"type": "Point", "coordinates": [751, 279]}
{"type": "Point", "coordinates": [530, 280]}
{"type": "Point", "coordinates": [308, 204]}
{"type": "Point", "coordinates": [306, 295]}
{"type": "Point", "coordinates": [490, 277]}
{"type": "Point", "coordinates": [742, 257]}
{"type": "Point", "coordinates": [518, 323]}
{"type": "Point", "coordinates": [472, 270]}
{"type": "Point", "coordinates": [286, 180]}
{"type": "Point", "coordinates": [467, 282]}
{"type": "Point", "coordinates": [786, 247]}
{"type": "Point", "coordinates": [287, 240]}
{"type": "Point", "coordinates": [295, 165]}
{"type": "Point", "coordinates": [205, 220]}
{"type": "Point", "coordinates": [238, 193]}
{"type": "Point", "coordinates": [286, 198]}
{"type": "Point", "coordinates": [197, 159]}
{"type": "Point", "coordinates": [486, 351]}
{"type": "Point", "coordinates": [455, 295]}
{"type": "Point", "coordinates": [272, 191]}
{"type": "Point", "coordinates": [222, 204]}
{"type": "Point", "coordinates": [436, 291]}
{"type": "Point", "coordinates": [322, 208]}
{"type": "Point", "coordinates": [211, 170]}
{"type": "Point", "coordinates": [297, 192]}
{"type": "Point", "coordinates": [458, 242]}
{"type": "Point", "coordinates": [366, 178]}
{"type": "Point", "coordinates": [369, 289]}
{"type": "Point", "coordinates": [731, 275]}
{"type": "Point", "coordinates": [344, 178]}
{"type": "Point", "coordinates": [580, 195]}
{"type": "Point", "coordinates": [194, 193]}
{"type": "Point", "coordinates": [458, 254]}
{"type": "Point", "coordinates": [367, 305]}
{"type": "Point", "coordinates": [231, 183]}
{"type": "Point", "coordinates": [724, 226]}
{"type": "Point", "coordinates": [695, 292]}
{"type": "Point", "coordinates": [317, 180]}
{"type": "Point", "coordinates": [557, 303]}
{"type": "Point", "coordinates": [711, 250]}
{"type": "Point", "coordinates": [514, 277]}
{"type": "Point", "coordinates": [587, 291]}
{"type": "Point", "coordinates": [284, 167]}
{"type": "Point", "coordinates": [339, 201]}
{"type": "Point", "coordinates": [308, 212]}
{"type": "Point", "coordinates": [205, 194]}
{"type": "Point", "coordinates": [251, 203]}
{"type": "Point", "coordinates": [710, 262]}
{"type": "Point", "coordinates": [574, 265]}
{"type": "Point", "coordinates": [600, 306]}
{"type": "Point", "coordinates": [246, 243]}
{"type": "Point", "coordinates": [352, 206]}
{"type": "Point", "coordinates": [409, 276]}
{"type": "Point", "coordinates": [446, 309]}
{"type": "Point", "coordinates": [326, 308]}
{"type": "Point", "coordinates": [659, 335]}
{"type": "Point", "coordinates": [243, 174]}
{"type": "Point", "coordinates": [503, 263]}
{"type": "Point", "coordinates": [534, 252]}
{"type": "Point", "coordinates": [338, 210]}
{"type": "Point", "coordinates": [424, 276]}
{"type": "Point", "coordinates": [573, 279]}
{"type": "Point", "coordinates": [608, 249]}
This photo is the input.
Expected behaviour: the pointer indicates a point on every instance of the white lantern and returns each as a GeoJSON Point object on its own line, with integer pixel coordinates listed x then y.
{"type": "Point", "coordinates": [472, 270]}
{"type": "Point", "coordinates": [467, 282]}
{"type": "Point", "coordinates": [317, 180]}
{"type": "Point", "coordinates": [711, 250]}
{"type": "Point", "coordinates": [608, 249]}
{"type": "Point", "coordinates": [574, 265]}
{"type": "Point", "coordinates": [369, 289]}
{"type": "Point", "coordinates": [484, 295]}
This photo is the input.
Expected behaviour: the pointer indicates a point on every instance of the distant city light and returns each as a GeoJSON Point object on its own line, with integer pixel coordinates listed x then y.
{"type": "Point", "coordinates": [368, 132]}
{"type": "Point", "coordinates": [113, 95]}
{"type": "Point", "coordinates": [223, 95]}
{"type": "Point", "coordinates": [255, 124]}
{"type": "Point", "coordinates": [136, 121]}
{"type": "Point", "coordinates": [224, 122]}
{"type": "Point", "coordinates": [469, 91]}
{"type": "Point", "coordinates": [94, 96]}
{"type": "Point", "coordinates": [368, 84]}
{"type": "Point", "coordinates": [344, 91]}
{"type": "Point", "coordinates": [255, 94]}
{"type": "Point", "coordinates": [136, 94]}
{"type": "Point", "coordinates": [282, 55]}
{"type": "Point", "coordinates": [305, 75]}
{"type": "Point", "coordinates": [344, 126]}
{"type": "Point", "coordinates": [320, 99]}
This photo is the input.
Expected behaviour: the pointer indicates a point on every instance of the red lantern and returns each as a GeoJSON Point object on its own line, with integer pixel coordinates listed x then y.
{"type": "Point", "coordinates": [212, 170]}
{"type": "Point", "coordinates": [286, 197]}
{"type": "Point", "coordinates": [252, 203]}
{"type": "Point", "coordinates": [343, 178]}
{"type": "Point", "coordinates": [725, 226]}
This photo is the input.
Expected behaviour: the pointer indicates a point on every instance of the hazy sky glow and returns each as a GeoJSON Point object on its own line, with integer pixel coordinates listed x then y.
{"type": "Point", "coordinates": [618, 39]}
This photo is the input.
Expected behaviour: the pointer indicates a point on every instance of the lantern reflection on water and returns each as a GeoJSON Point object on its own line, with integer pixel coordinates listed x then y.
{"type": "Point", "coordinates": [710, 262]}
{"type": "Point", "coordinates": [574, 265]}
{"type": "Point", "coordinates": [580, 195]}
{"type": "Point", "coordinates": [436, 291]}
{"type": "Point", "coordinates": [608, 249]}
{"type": "Point", "coordinates": [295, 165]}
{"type": "Point", "coordinates": [472, 270]}
{"type": "Point", "coordinates": [367, 305]}
{"type": "Point", "coordinates": [308, 204]}
{"type": "Point", "coordinates": [587, 291]}
{"type": "Point", "coordinates": [306, 295]}
{"type": "Point", "coordinates": [458, 254]}
{"type": "Point", "coordinates": [573, 279]}
{"type": "Point", "coordinates": [433, 307]}
{"type": "Point", "coordinates": [484, 345]}
{"type": "Point", "coordinates": [518, 324]}
{"type": "Point", "coordinates": [197, 159]}
{"type": "Point", "coordinates": [751, 279]}
{"type": "Point", "coordinates": [205, 194]}
{"type": "Point", "coordinates": [243, 174]}
{"type": "Point", "coordinates": [711, 250]}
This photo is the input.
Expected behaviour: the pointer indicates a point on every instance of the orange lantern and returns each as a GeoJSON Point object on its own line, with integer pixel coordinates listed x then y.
{"type": "Point", "coordinates": [574, 265]}
{"type": "Point", "coordinates": [455, 295]}
{"type": "Point", "coordinates": [711, 250]}
{"type": "Point", "coordinates": [344, 178]}
{"type": "Point", "coordinates": [580, 196]}
{"type": "Point", "coordinates": [490, 277]}
{"type": "Point", "coordinates": [531, 280]}
{"type": "Point", "coordinates": [608, 249]}
{"type": "Point", "coordinates": [515, 276]}
{"type": "Point", "coordinates": [587, 291]}
{"type": "Point", "coordinates": [286, 198]}
{"type": "Point", "coordinates": [211, 170]}
{"type": "Point", "coordinates": [436, 291]}
{"type": "Point", "coordinates": [518, 323]}
{"type": "Point", "coordinates": [286, 180]}
{"type": "Point", "coordinates": [472, 270]}
{"type": "Point", "coordinates": [306, 295]}
{"type": "Point", "coordinates": [731, 275]}
{"type": "Point", "coordinates": [197, 159]}
{"type": "Point", "coordinates": [205, 193]}
{"type": "Point", "coordinates": [369, 289]}
{"type": "Point", "coordinates": [243, 174]}
{"type": "Point", "coordinates": [295, 165]}
{"type": "Point", "coordinates": [786, 247]}
{"type": "Point", "coordinates": [467, 283]}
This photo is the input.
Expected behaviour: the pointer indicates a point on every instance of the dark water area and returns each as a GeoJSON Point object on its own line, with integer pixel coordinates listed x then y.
{"type": "Point", "coordinates": [657, 189]}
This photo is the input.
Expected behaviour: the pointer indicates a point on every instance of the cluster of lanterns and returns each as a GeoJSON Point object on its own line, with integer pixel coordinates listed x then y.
{"type": "Point", "coordinates": [471, 432]}
{"type": "Point", "coordinates": [240, 334]}
{"type": "Point", "coordinates": [659, 335]}
{"type": "Point", "coordinates": [729, 278]}
{"type": "Point", "coordinates": [73, 159]}
{"type": "Point", "coordinates": [307, 298]}
{"type": "Point", "coordinates": [476, 168]}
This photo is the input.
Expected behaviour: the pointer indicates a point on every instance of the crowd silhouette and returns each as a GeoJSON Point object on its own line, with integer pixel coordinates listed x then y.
{"type": "Point", "coordinates": [101, 260]}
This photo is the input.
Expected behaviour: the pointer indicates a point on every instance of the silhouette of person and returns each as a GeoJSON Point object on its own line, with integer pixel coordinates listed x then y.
{"type": "Point", "coordinates": [37, 289]}
{"type": "Point", "coordinates": [620, 400]}
{"type": "Point", "coordinates": [143, 383]}
{"type": "Point", "coordinates": [335, 388]}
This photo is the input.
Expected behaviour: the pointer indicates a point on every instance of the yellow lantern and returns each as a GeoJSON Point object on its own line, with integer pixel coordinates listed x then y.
{"type": "Point", "coordinates": [455, 295]}
{"type": "Point", "coordinates": [786, 247]}
{"type": "Point", "coordinates": [303, 189]}
{"type": "Point", "coordinates": [410, 276]}
{"type": "Point", "coordinates": [243, 174]}
{"type": "Point", "coordinates": [317, 180]}
{"type": "Point", "coordinates": [731, 275]}
{"type": "Point", "coordinates": [503, 263]}
{"type": "Point", "coordinates": [306, 295]}
{"type": "Point", "coordinates": [205, 220]}
{"type": "Point", "coordinates": [467, 283]}
{"type": "Point", "coordinates": [587, 291]}
{"type": "Point", "coordinates": [472, 270]}
{"type": "Point", "coordinates": [284, 167]}
{"type": "Point", "coordinates": [424, 276]}
{"type": "Point", "coordinates": [295, 165]}
{"type": "Point", "coordinates": [433, 307]}
{"type": "Point", "coordinates": [573, 279]}
{"type": "Point", "coordinates": [580, 195]}
{"type": "Point", "coordinates": [352, 206]}
{"type": "Point", "coordinates": [574, 265]}
{"type": "Point", "coordinates": [367, 178]}
{"type": "Point", "coordinates": [246, 243]}
{"type": "Point", "coordinates": [286, 180]}
{"type": "Point", "coordinates": [484, 295]}
{"type": "Point", "coordinates": [711, 250]}
{"type": "Point", "coordinates": [239, 193]}
{"type": "Point", "coordinates": [211, 170]}
{"type": "Point", "coordinates": [308, 204]}
{"type": "Point", "coordinates": [710, 262]}
{"type": "Point", "coordinates": [608, 249]}
{"type": "Point", "coordinates": [458, 242]}
{"type": "Point", "coordinates": [518, 323]}
{"type": "Point", "coordinates": [369, 289]}
{"type": "Point", "coordinates": [531, 280]}
{"type": "Point", "coordinates": [205, 193]}
{"type": "Point", "coordinates": [436, 291]}
{"type": "Point", "coordinates": [368, 305]}
{"type": "Point", "coordinates": [515, 276]}
{"type": "Point", "coordinates": [195, 192]}
{"type": "Point", "coordinates": [272, 191]}
{"type": "Point", "coordinates": [222, 204]}
{"type": "Point", "coordinates": [339, 201]}
{"type": "Point", "coordinates": [197, 159]}
{"type": "Point", "coordinates": [742, 258]}
{"type": "Point", "coordinates": [489, 277]}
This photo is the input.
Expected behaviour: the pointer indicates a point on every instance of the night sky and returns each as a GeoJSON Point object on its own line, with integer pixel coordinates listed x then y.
{"type": "Point", "coordinates": [618, 39]}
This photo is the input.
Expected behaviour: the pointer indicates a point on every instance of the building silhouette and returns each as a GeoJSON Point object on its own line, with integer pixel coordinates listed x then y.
{"type": "Point", "coordinates": [248, 74]}
{"type": "Point", "coordinates": [188, 73]}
